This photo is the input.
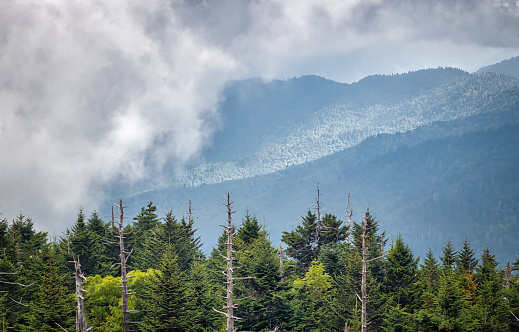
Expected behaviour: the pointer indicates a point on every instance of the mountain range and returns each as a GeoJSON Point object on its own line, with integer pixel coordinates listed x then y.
{"type": "Point", "coordinates": [431, 153]}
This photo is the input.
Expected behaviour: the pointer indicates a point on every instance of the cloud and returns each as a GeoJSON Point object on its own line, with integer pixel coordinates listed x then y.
{"type": "Point", "coordinates": [102, 93]}
{"type": "Point", "coordinates": [94, 91]}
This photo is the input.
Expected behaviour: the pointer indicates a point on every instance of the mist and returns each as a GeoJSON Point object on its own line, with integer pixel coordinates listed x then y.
{"type": "Point", "coordinates": [98, 94]}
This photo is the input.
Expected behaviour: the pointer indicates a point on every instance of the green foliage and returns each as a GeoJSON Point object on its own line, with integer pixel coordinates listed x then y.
{"type": "Point", "coordinates": [465, 260]}
{"type": "Point", "coordinates": [164, 301]}
{"type": "Point", "coordinates": [401, 274]}
{"type": "Point", "coordinates": [53, 306]}
{"type": "Point", "coordinates": [449, 256]}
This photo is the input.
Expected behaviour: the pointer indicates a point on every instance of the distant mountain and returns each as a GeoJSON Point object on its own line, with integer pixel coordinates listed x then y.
{"type": "Point", "coordinates": [509, 67]}
{"type": "Point", "coordinates": [433, 153]}
{"type": "Point", "coordinates": [271, 126]}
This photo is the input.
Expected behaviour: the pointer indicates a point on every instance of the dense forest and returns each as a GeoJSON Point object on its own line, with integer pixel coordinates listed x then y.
{"type": "Point", "coordinates": [328, 275]}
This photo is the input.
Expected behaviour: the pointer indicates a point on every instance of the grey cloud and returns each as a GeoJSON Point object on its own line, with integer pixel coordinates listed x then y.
{"type": "Point", "coordinates": [97, 90]}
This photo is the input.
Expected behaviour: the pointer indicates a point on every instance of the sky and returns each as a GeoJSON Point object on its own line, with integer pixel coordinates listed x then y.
{"type": "Point", "coordinates": [96, 93]}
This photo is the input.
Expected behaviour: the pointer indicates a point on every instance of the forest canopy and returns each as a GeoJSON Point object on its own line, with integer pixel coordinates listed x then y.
{"type": "Point", "coordinates": [326, 275]}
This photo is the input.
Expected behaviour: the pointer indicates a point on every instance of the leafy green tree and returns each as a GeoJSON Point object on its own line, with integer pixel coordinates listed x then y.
{"type": "Point", "coordinates": [313, 297]}
{"type": "Point", "coordinates": [103, 300]}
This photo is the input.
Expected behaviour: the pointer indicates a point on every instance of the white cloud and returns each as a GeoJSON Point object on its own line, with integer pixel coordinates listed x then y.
{"type": "Point", "coordinates": [93, 91]}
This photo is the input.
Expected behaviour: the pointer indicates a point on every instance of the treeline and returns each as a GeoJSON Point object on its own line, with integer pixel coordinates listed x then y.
{"type": "Point", "coordinates": [312, 283]}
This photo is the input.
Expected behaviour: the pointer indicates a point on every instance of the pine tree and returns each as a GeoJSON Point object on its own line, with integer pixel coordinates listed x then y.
{"type": "Point", "coordinates": [164, 306]}
{"type": "Point", "coordinates": [449, 256]}
{"type": "Point", "coordinates": [301, 241]}
{"type": "Point", "coordinates": [200, 299]}
{"type": "Point", "coordinates": [491, 294]}
{"type": "Point", "coordinates": [401, 274]}
{"type": "Point", "coordinates": [465, 260]}
{"type": "Point", "coordinates": [264, 307]}
{"type": "Point", "coordinates": [53, 308]}
{"type": "Point", "coordinates": [450, 303]}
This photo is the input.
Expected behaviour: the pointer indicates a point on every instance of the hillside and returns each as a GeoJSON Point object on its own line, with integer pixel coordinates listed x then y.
{"type": "Point", "coordinates": [428, 184]}
{"type": "Point", "coordinates": [264, 137]}
{"type": "Point", "coordinates": [508, 67]}
{"type": "Point", "coordinates": [432, 153]}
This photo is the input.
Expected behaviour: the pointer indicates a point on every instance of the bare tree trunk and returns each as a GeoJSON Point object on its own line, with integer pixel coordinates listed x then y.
{"type": "Point", "coordinates": [348, 225]}
{"type": "Point", "coordinates": [124, 279]}
{"type": "Point", "coordinates": [81, 324]}
{"type": "Point", "coordinates": [319, 227]}
{"type": "Point", "coordinates": [230, 306]}
{"type": "Point", "coordinates": [364, 295]}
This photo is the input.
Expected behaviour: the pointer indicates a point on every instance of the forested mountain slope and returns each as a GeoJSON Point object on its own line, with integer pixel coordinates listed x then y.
{"type": "Point", "coordinates": [432, 152]}
{"type": "Point", "coordinates": [448, 179]}
{"type": "Point", "coordinates": [266, 128]}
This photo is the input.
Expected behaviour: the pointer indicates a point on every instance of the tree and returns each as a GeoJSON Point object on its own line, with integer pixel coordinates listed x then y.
{"type": "Point", "coordinates": [53, 308]}
{"type": "Point", "coordinates": [465, 260]}
{"type": "Point", "coordinates": [164, 307]}
{"type": "Point", "coordinates": [401, 274]}
{"type": "Point", "coordinates": [491, 293]}
{"type": "Point", "coordinates": [300, 242]}
{"type": "Point", "coordinates": [449, 256]}
{"type": "Point", "coordinates": [265, 306]}
{"type": "Point", "coordinates": [200, 299]}
{"type": "Point", "coordinates": [228, 271]}
{"type": "Point", "coordinates": [312, 300]}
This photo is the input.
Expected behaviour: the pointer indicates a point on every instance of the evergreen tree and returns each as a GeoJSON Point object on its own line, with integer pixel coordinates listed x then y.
{"type": "Point", "coordinates": [465, 260]}
{"type": "Point", "coordinates": [265, 306]}
{"type": "Point", "coordinates": [333, 231]}
{"type": "Point", "coordinates": [165, 302]}
{"type": "Point", "coordinates": [180, 235]}
{"type": "Point", "coordinates": [430, 272]}
{"type": "Point", "coordinates": [491, 294]}
{"type": "Point", "coordinates": [449, 256]}
{"type": "Point", "coordinates": [401, 274]}
{"type": "Point", "coordinates": [201, 295]}
{"type": "Point", "coordinates": [374, 242]}
{"type": "Point", "coordinates": [53, 308]}
{"type": "Point", "coordinates": [250, 229]}
{"type": "Point", "coordinates": [301, 242]}
{"type": "Point", "coordinates": [450, 303]}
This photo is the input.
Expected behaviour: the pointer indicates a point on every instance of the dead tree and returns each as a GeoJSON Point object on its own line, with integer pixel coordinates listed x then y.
{"type": "Point", "coordinates": [124, 255]}
{"type": "Point", "coordinates": [81, 324]}
{"type": "Point", "coordinates": [228, 270]}
{"type": "Point", "coordinates": [319, 226]}
{"type": "Point", "coordinates": [348, 225]}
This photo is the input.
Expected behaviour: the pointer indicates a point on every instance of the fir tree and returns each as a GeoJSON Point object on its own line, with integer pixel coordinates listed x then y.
{"type": "Point", "coordinates": [53, 308]}
{"type": "Point", "coordinates": [465, 260]}
{"type": "Point", "coordinates": [164, 306]}
{"type": "Point", "coordinates": [491, 294]}
{"type": "Point", "coordinates": [449, 256]}
{"type": "Point", "coordinates": [401, 273]}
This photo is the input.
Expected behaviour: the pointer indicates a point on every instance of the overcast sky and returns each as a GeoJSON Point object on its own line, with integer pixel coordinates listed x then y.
{"type": "Point", "coordinates": [97, 90]}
